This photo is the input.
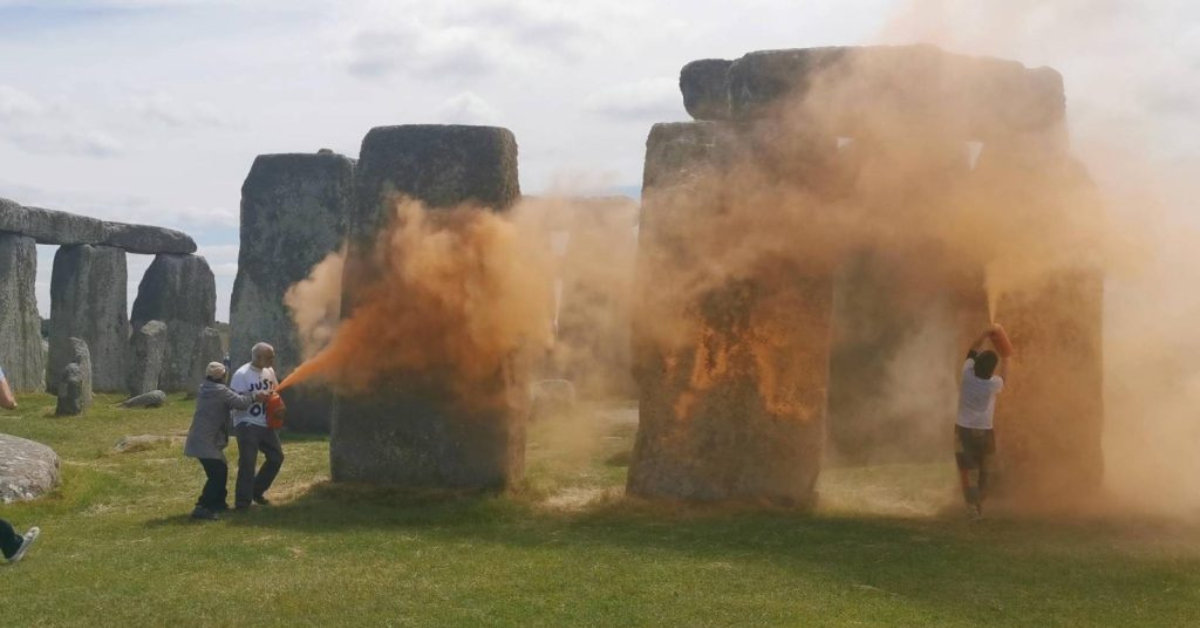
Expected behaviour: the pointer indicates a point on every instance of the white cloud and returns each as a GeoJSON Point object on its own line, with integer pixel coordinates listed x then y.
{"type": "Point", "coordinates": [163, 108]}
{"type": "Point", "coordinates": [647, 100]}
{"type": "Point", "coordinates": [15, 104]}
{"type": "Point", "coordinates": [467, 108]}
{"type": "Point", "coordinates": [95, 143]}
{"type": "Point", "coordinates": [459, 41]}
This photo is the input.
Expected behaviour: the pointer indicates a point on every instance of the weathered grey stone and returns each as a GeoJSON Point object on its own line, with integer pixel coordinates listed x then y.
{"type": "Point", "coordinates": [20, 326]}
{"type": "Point", "coordinates": [208, 350]}
{"type": "Point", "coordinates": [27, 469]}
{"type": "Point", "coordinates": [152, 399]}
{"type": "Point", "coordinates": [71, 392]}
{"type": "Point", "coordinates": [49, 226]}
{"type": "Point", "coordinates": [1050, 419]}
{"type": "Point", "coordinates": [75, 384]}
{"type": "Point", "coordinates": [679, 152]}
{"type": "Point", "coordinates": [88, 301]}
{"type": "Point", "coordinates": [179, 290]}
{"type": "Point", "coordinates": [147, 240]}
{"type": "Point", "coordinates": [145, 442]}
{"type": "Point", "coordinates": [440, 165]}
{"type": "Point", "coordinates": [294, 213]}
{"type": "Point", "coordinates": [725, 413]}
{"type": "Point", "coordinates": [405, 436]}
{"type": "Point", "coordinates": [868, 90]}
{"type": "Point", "coordinates": [147, 347]}
{"type": "Point", "coordinates": [705, 87]}
{"type": "Point", "coordinates": [309, 408]}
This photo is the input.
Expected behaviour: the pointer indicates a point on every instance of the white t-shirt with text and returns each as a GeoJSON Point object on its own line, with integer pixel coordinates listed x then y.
{"type": "Point", "coordinates": [977, 398]}
{"type": "Point", "coordinates": [250, 380]}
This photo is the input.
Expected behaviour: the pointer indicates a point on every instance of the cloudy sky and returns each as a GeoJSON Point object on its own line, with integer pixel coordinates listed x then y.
{"type": "Point", "coordinates": [153, 110]}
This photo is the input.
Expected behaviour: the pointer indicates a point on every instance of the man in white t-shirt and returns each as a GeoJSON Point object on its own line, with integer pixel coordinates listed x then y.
{"type": "Point", "coordinates": [7, 400]}
{"type": "Point", "coordinates": [974, 441]}
{"type": "Point", "coordinates": [253, 435]}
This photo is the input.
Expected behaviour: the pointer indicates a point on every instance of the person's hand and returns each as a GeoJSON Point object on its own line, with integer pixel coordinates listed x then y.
{"type": "Point", "coordinates": [262, 396]}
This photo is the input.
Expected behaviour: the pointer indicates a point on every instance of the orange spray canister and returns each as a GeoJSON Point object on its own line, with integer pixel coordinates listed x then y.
{"type": "Point", "coordinates": [275, 411]}
{"type": "Point", "coordinates": [1000, 340]}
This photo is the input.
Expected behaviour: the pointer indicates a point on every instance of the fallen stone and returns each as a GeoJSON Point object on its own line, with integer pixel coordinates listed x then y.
{"type": "Point", "coordinates": [144, 442]}
{"type": "Point", "coordinates": [147, 240]}
{"type": "Point", "coordinates": [152, 399]}
{"type": "Point", "coordinates": [420, 438]}
{"type": "Point", "coordinates": [147, 347]}
{"type": "Point", "coordinates": [21, 355]}
{"type": "Point", "coordinates": [27, 469]}
{"type": "Point", "coordinates": [294, 213]}
{"type": "Point", "coordinates": [178, 290]}
{"type": "Point", "coordinates": [88, 301]}
{"type": "Point", "coordinates": [705, 87]}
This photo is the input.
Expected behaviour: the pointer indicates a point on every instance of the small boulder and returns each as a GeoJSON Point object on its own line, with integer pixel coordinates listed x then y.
{"type": "Point", "coordinates": [143, 442]}
{"type": "Point", "coordinates": [152, 399]}
{"type": "Point", "coordinates": [27, 469]}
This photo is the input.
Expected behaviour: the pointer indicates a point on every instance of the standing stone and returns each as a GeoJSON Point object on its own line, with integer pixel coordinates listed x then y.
{"type": "Point", "coordinates": [294, 212]}
{"type": "Point", "coordinates": [1050, 417]}
{"type": "Point", "coordinates": [178, 290]}
{"type": "Point", "coordinates": [88, 301]}
{"type": "Point", "coordinates": [75, 382]}
{"type": "Point", "coordinates": [405, 436]}
{"type": "Point", "coordinates": [147, 347]}
{"type": "Point", "coordinates": [20, 325]}
{"type": "Point", "coordinates": [208, 350]}
{"type": "Point", "coordinates": [733, 379]}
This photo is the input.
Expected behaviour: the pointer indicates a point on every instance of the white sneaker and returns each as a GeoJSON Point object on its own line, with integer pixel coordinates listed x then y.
{"type": "Point", "coordinates": [30, 537]}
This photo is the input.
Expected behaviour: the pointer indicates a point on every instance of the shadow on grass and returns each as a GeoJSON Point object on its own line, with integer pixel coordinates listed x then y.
{"type": "Point", "coordinates": [946, 563]}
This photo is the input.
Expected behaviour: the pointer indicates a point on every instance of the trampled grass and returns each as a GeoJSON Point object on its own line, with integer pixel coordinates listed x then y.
{"type": "Point", "coordinates": [887, 548]}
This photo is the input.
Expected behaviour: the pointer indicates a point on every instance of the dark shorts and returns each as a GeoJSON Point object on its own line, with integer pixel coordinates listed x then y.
{"type": "Point", "coordinates": [972, 447]}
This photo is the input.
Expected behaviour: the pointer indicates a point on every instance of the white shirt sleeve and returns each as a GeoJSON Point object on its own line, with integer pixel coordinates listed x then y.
{"type": "Point", "coordinates": [238, 383]}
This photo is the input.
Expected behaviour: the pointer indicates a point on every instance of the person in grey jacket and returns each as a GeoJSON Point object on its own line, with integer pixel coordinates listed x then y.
{"type": "Point", "coordinates": [209, 434]}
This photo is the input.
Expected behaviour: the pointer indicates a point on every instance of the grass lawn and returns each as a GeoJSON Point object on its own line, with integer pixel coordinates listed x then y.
{"type": "Point", "coordinates": [888, 547]}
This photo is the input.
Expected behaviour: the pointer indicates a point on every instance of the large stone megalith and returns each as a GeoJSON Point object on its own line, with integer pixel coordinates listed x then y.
{"type": "Point", "coordinates": [294, 212]}
{"type": "Point", "coordinates": [88, 301]}
{"type": "Point", "coordinates": [733, 377]}
{"type": "Point", "coordinates": [20, 325]}
{"type": "Point", "coordinates": [180, 291]}
{"type": "Point", "coordinates": [1050, 418]}
{"type": "Point", "coordinates": [403, 436]}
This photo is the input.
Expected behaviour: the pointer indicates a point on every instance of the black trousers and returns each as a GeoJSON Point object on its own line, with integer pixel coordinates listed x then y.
{"type": "Point", "coordinates": [252, 439]}
{"type": "Point", "coordinates": [10, 541]}
{"type": "Point", "coordinates": [214, 493]}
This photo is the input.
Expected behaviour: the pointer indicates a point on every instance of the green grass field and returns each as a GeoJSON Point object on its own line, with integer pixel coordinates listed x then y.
{"type": "Point", "coordinates": [887, 547]}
